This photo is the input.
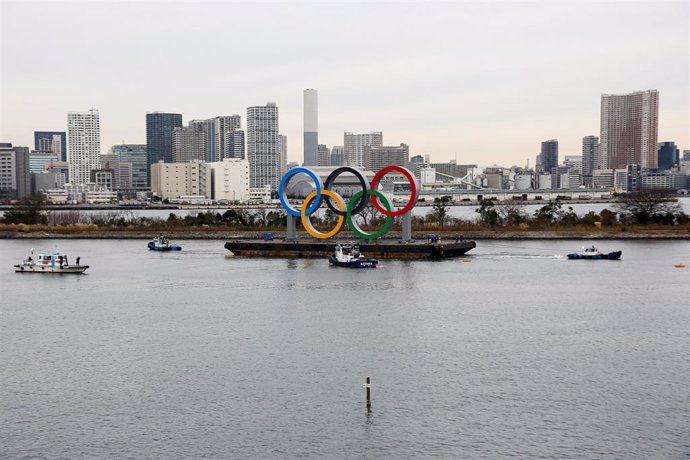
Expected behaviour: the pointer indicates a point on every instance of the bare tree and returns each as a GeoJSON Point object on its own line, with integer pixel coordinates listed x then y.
{"type": "Point", "coordinates": [649, 205]}
{"type": "Point", "coordinates": [511, 212]}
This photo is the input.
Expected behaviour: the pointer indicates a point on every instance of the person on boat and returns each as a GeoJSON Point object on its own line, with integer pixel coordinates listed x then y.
{"type": "Point", "coordinates": [78, 260]}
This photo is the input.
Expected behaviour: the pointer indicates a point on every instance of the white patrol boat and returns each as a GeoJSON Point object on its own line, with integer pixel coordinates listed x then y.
{"type": "Point", "coordinates": [55, 263]}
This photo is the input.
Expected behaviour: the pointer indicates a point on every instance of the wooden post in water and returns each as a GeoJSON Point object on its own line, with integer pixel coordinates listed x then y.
{"type": "Point", "coordinates": [368, 387]}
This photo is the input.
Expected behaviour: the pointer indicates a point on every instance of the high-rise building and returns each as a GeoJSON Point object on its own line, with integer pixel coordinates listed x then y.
{"type": "Point", "coordinates": [234, 144]}
{"type": "Point", "coordinates": [376, 158]}
{"type": "Point", "coordinates": [51, 141]}
{"type": "Point", "coordinates": [668, 155]}
{"type": "Point", "coordinates": [282, 154]}
{"type": "Point", "coordinates": [548, 158]}
{"type": "Point", "coordinates": [354, 146]}
{"type": "Point", "coordinates": [590, 158]}
{"type": "Point", "coordinates": [263, 146]}
{"type": "Point", "coordinates": [629, 129]}
{"type": "Point", "coordinates": [159, 129]}
{"type": "Point", "coordinates": [134, 154]}
{"type": "Point", "coordinates": [15, 177]}
{"type": "Point", "coordinates": [337, 155]}
{"type": "Point", "coordinates": [84, 141]}
{"type": "Point", "coordinates": [224, 125]}
{"type": "Point", "coordinates": [209, 129]}
{"type": "Point", "coordinates": [39, 159]}
{"type": "Point", "coordinates": [323, 155]}
{"type": "Point", "coordinates": [188, 144]}
{"type": "Point", "coordinates": [311, 127]}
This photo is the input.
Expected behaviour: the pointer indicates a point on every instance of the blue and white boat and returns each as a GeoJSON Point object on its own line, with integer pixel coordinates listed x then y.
{"type": "Point", "coordinates": [348, 255]}
{"type": "Point", "coordinates": [592, 253]}
{"type": "Point", "coordinates": [161, 243]}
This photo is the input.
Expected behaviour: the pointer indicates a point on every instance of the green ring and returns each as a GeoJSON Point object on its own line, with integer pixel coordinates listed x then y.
{"type": "Point", "coordinates": [355, 228]}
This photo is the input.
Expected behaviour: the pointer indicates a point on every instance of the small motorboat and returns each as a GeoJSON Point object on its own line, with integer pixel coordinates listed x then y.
{"type": "Point", "coordinates": [55, 263]}
{"type": "Point", "coordinates": [348, 255]}
{"type": "Point", "coordinates": [161, 243]}
{"type": "Point", "coordinates": [592, 253]}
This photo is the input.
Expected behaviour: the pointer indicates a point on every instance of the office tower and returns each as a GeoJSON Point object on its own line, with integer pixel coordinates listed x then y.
{"type": "Point", "coordinates": [188, 144]}
{"type": "Point", "coordinates": [209, 129]}
{"type": "Point", "coordinates": [323, 156]}
{"type": "Point", "coordinates": [110, 163]}
{"type": "Point", "coordinates": [38, 160]}
{"type": "Point", "coordinates": [223, 125]}
{"type": "Point", "coordinates": [159, 129]}
{"type": "Point", "coordinates": [84, 141]}
{"type": "Point", "coordinates": [15, 176]}
{"type": "Point", "coordinates": [8, 177]}
{"type": "Point", "coordinates": [668, 155]}
{"type": "Point", "coordinates": [263, 146]}
{"type": "Point", "coordinates": [311, 127]}
{"type": "Point", "coordinates": [590, 158]}
{"type": "Point", "coordinates": [51, 141]}
{"type": "Point", "coordinates": [548, 157]}
{"type": "Point", "coordinates": [23, 172]}
{"type": "Point", "coordinates": [354, 146]}
{"type": "Point", "coordinates": [337, 155]}
{"type": "Point", "coordinates": [134, 154]}
{"type": "Point", "coordinates": [629, 129]}
{"type": "Point", "coordinates": [376, 158]}
{"type": "Point", "coordinates": [234, 144]}
{"type": "Point", "coordinates": [417, 159]}
{"type": "Point", "coordinates": [282, 154]}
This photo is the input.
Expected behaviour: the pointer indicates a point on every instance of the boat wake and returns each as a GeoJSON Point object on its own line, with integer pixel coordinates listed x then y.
{"type": "Point", "coordinates": [521, 256]}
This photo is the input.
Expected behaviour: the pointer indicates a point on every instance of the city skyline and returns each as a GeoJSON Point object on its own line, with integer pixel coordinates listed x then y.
{"type": "Point", "coordinates": [472, 82]}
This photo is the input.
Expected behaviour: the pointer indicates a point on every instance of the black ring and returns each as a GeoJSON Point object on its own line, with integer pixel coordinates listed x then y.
{"type": "Point", "coordinates": [362, 180]}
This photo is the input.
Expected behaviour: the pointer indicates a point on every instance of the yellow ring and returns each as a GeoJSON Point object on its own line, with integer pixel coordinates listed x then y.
{"type": "Point", "coordinates": [306, 221]}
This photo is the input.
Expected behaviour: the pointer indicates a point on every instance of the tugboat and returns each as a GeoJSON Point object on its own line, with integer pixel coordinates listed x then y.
{"type": "Point", "coordinates": [348, 255]}
{"type": "Point", "coordinates": [592, 253]}
{"type": "Point", "coordinates": [55, 263]}
{"type": "Point", "coordinates": [161, 243]}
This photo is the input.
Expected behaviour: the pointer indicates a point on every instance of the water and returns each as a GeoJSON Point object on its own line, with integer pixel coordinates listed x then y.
{"type": "Point", "coordinates": [519, 352]}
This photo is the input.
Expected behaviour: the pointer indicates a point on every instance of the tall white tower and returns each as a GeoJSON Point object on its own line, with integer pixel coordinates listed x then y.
{"type": "Point", "coordinates": [84, 145]}
{"type": "Point", "coordinates": [262, 146]}
{"type": "Point", "coordinates": [311, 127]}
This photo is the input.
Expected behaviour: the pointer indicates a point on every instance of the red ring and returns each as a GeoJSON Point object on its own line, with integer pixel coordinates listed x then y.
{"type": "Point", "coordinates": [413, 190]}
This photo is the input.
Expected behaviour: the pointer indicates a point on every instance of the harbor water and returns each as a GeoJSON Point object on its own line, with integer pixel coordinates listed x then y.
{"type": "Point", "coordinates": [514, 351]}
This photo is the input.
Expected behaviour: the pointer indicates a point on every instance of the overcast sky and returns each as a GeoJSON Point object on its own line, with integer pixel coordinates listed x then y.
{"type": "Point", "coordinates": [480, 82]}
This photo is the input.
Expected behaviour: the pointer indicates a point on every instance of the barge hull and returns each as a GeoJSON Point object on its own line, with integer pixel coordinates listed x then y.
{"type": "Point", "coordinates": [377, 249]}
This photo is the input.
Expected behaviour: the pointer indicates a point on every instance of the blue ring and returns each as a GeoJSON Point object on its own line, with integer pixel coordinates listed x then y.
{"type": "Point", "coordinates": [283, 198]}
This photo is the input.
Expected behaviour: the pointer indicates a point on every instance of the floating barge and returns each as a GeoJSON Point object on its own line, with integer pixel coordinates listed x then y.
{"type": "Point", "coordinates": [379, 249]}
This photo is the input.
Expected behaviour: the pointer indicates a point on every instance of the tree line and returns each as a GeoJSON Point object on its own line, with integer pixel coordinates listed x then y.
{"type": "Point", "coordinates": [636, 208]}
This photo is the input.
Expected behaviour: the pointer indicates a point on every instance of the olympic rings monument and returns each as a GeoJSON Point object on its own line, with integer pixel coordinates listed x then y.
{"type": "Point", "coordinates": [322, 243]}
